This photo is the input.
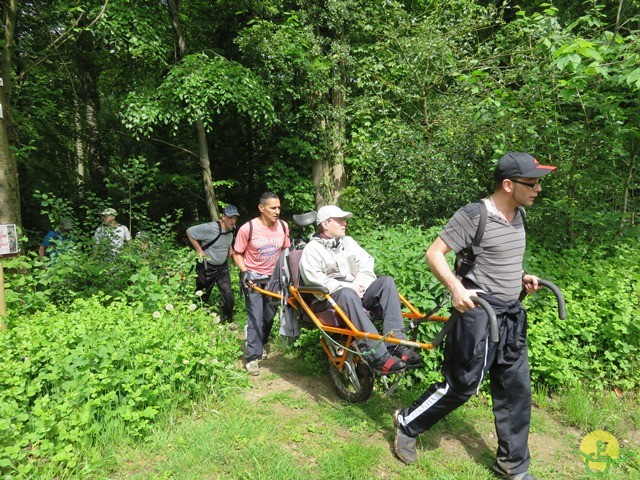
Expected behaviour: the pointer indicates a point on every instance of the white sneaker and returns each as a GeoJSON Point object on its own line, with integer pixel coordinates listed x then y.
{"type": "Point", "coordinates": [252, 367]}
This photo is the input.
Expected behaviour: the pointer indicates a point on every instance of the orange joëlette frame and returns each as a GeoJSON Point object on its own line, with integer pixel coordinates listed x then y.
{"type": "Point", "coordinates": [296, 301]}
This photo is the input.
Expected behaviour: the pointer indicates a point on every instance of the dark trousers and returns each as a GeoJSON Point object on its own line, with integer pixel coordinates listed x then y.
{"type": "Point", "coordinates": [469, 356]}
{"type": "Point", "coordinates": [260, 314]}
{"type": "Point", "coordinates": [218, 275]}
{"type": "Point", "coordinates": [382, 301]}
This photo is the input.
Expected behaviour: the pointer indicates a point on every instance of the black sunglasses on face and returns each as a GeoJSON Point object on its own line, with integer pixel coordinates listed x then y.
{"type": "Point", "coordinates": [530, 185]}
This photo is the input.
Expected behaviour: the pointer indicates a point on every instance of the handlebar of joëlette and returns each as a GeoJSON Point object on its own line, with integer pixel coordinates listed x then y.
{"type": "Point", "coordinates": [494, 335]}
{"type": "Point", "coordinates": [562, 310]}
{"type": "Point", "coordinates": [304, 219]}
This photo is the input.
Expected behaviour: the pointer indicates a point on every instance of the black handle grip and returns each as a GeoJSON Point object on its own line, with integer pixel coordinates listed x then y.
{"type": "Point", "coordinates": [494, 335]}
{"type": "Point", "coordinates": [562, 310]}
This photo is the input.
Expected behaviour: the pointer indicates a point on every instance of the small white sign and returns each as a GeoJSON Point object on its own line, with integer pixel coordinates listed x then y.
{"type": "Point", "coordinates": [8, 239]}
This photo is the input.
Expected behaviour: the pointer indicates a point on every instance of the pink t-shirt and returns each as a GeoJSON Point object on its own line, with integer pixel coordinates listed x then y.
{"type": "Point", "coordinates": [262, 253]}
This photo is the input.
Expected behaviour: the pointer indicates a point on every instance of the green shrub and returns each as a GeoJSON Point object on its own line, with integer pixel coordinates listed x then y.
{"type": "Point", "coordinates": [399, 252]}
{"type": "Point", "coordinates": [64, 376]}
{"type": "Point", "coordinates": [599, 342]}
{"type": "Point", "coordinates": [142, 272]}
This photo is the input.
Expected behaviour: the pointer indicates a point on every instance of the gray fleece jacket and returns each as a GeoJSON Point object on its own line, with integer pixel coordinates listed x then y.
{"type": "Point", "coordinates": [336, 263]}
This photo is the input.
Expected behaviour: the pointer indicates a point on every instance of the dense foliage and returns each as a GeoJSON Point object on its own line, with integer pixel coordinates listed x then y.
{"type": "Point", "coordinates": [413, 100]}
{"type": "Point", "coordinates": [99, 349]}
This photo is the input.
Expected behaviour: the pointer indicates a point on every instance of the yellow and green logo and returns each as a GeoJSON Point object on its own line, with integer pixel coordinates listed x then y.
{"type": "Point", "coordinates": [600, 450]}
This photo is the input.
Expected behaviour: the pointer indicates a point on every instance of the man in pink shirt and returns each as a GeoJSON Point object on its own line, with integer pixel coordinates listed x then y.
{"type": "Point", "coordinates": [256, 252]}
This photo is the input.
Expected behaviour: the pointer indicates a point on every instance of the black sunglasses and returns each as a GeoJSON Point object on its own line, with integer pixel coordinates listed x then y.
{"type": "Point", "coordinates": [530, 185]}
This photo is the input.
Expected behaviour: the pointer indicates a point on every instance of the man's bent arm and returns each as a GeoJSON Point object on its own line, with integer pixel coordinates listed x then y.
{"type": "Point", "coordinates": [239, 261]}
{"type": "Point", "coordinates": [195, 244]}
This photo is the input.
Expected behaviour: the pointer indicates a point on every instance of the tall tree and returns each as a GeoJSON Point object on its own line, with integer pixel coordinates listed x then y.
{"type": "Point", "coordinates": [9, 185]}
{"type": "Point", "coordinates": [308, 45]}
{"type": "Point", "coordinates": [203, 147]}
{"type": "Point", "coordinates": [197, 88]}
{"type": "Point", "coordinates": [90, 134]}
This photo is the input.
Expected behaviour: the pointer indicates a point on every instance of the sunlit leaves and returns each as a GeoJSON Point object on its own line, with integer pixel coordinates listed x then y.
{"type": "Point", "coordinates": [199, 88]}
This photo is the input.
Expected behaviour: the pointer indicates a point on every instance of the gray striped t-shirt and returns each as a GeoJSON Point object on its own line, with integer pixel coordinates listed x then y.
{"type": "Point", "coordinates": [498, 269]}
{"type": "Point", "coordinates": [218, 252]}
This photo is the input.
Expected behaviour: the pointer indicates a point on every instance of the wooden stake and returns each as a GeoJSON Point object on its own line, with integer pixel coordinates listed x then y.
{"type": "Point", "coordinates": [3, 303]}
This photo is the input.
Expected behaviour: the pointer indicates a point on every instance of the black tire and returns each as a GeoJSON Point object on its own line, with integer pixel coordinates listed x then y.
{"type": "Point", "coordinates": [345, 388]}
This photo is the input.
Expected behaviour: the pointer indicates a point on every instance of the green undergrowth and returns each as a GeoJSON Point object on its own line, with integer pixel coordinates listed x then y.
{"type": "Point", "coordinates": [77, 379]}
{"type": "Point", "coordinates": [101, 355]}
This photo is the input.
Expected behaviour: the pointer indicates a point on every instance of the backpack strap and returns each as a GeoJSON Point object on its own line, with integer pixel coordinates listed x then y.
{"type": "Point", "coordinates": [220, 232]}
{"type": "Point", "coordinates": [466, 258]}
{"type": "Point", "coordinates": [284, 230]}
{"type": "Point", "coordinates": [524, 216]}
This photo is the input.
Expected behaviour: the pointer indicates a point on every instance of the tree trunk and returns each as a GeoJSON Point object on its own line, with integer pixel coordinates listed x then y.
{"type": "Point", "coordinates": [329, 175]}
{"type": "Point", "coordinates": [90, 108]}
{"type": "Point", "coordinates": [203, 147]}
{"type": "Point", "coordinates": [79, 147]}
{"type": "Point", "coordinates": [9, 183]}
{"type": "Point", "coordinates": [628, 183]}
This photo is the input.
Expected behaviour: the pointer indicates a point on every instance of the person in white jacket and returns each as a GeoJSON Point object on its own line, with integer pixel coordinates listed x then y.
{"type": "Point", "coordinates": [334, 260]}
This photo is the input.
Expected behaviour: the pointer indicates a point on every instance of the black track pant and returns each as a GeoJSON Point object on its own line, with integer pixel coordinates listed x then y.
{"type": "Point", "coordinates": [469, 356]}
{"type": "Point", "coordinates": [218, 275]}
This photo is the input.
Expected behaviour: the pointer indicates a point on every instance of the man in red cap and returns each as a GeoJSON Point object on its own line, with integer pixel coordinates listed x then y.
{"type": "Point", "coordinates": [497, 277]}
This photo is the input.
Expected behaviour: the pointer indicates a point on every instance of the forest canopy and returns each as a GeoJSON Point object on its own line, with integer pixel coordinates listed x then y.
{"type": "Point", "coordinates": [389, 108]}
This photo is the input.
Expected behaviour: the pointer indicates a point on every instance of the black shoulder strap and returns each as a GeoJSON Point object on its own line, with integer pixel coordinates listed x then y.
{"type": "Point", "coordinates": [482, 224]}
{"type": "Point", "coordinates": [466, 259]}
{"type": "Point", "coordinates": [284, 230]}
{"type": "Point", "coordinates": [524, 217]}
{"type": "Point", "coordinates": [220, 232]}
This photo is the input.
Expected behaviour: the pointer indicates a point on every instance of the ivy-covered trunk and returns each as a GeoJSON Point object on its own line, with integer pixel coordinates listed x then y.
{"type": "Point", "coordinates": [328, 171]}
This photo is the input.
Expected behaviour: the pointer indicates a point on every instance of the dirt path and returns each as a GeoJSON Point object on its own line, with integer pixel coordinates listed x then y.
{"type": "Point", "coordinates": [554, 447]}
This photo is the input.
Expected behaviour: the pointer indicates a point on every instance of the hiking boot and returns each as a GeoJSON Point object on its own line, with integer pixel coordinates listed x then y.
{"type": "Point", "coordinates": [252, 367]}
{"type": "Point", "coordinates": [388, 364]}
{"type": "Point", "coordinates": [500, 473]}
{"type": "Point", "coordinates": [404, 446]}
{"type": "Point", "coordinates": [408, 356]}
